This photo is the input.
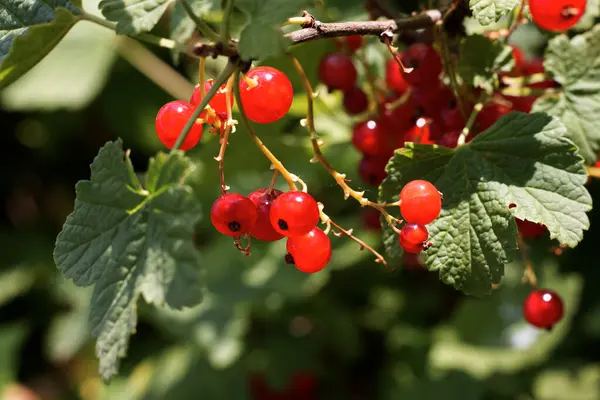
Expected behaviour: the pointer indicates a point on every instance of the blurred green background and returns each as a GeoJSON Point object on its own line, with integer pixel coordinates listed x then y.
{"type": "Point", "coordinates": [353, 331]}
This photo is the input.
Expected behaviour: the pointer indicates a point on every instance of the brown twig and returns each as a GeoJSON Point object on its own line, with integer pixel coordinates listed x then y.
{"type": "Point", "coordinates": [363, 246]}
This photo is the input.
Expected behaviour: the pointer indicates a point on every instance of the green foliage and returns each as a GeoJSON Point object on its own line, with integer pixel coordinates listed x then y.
{"type": "Point", "coordinates": [582, 384]}
{"type": "Point", "coordinates": [261, 37]}
{"type": "Point", "coordinates": [481, 58]}
{"type": "Point", "coordinates": [490, 11]}
{"type": "Point", "coordinates": [134, 16]}
{"type": "Point", "coordinates": [575, 64]}
{"type": "Point", "coordinates": [128, 241]}
{"type": "Point", "coordinates": [181, 25]}
{"type": "Point", "coordinates": [523, 162]}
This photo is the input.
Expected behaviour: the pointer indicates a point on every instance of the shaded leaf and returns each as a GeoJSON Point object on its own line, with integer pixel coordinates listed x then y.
{"type": "Point", "coordinates": [490, 11]}
{"type": "Point", "coordinates": [134, 16]}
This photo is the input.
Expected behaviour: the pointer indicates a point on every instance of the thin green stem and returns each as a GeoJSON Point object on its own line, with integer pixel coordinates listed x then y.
{"type": "Point", "coordinates": [202, 26]}
{"type": "Point", "coordinates": [225, 24]}
{"type": "Point", "coordinates": [470, 122]}
{"type": "Point", "coordinates": [449, 67]}
{"type": "Point", "coordinates": [220, 80]}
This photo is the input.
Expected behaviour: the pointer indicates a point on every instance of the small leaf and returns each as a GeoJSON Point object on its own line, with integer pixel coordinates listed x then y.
{"type": "Point", "coordinates": [262, 38]}
{"type": "Point", "coordinates": [130, 241]}
{"type": "Point", "coordinates": [592, 11]}
{"type": "Point", "coordinates": [182, 25]}
{"type": "Point", "coordinates": [28, 31]}
{"type": "Point", "coordinates": [490, 11]}
{"type": "Point", "coordinates": [522, 161]}
{"type": "Point", "coordinates": [134, 16]}
{"type": "Point", "coordinates": [481, 58]}
{"type": "Point", "coordinates": [575, 64]}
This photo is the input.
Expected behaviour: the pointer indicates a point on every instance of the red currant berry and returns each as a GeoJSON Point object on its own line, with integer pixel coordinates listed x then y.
{"type": "Point", "coordinates": [294, 213]}
{"type": "Point", "coordinates": [263, 200]}
{"type": "Point", "coordinates": [421, 202]}
{"type": "Point", "coordinates": [171, 120]}
{"type": "Point", "coordinates": [412, 237]}
{"type": "Point", "coordinates": [270, 99]}
{"type": "Point", "coordinates": [556, 15]}
{"type": "Point", "coordinates": [218, 102]}
{"type": "Point", "coordinates": [311, 252]}
{"type": "Point", "coordinates": [490, 114]}
{"type": "Point", "coordinates": [426, 64]}
{"type": "Point", "coordinates": [394, 77]}
{"type": "Point", "coordinates": [350, 43]}
{"type": "Point", "coordinates": [398, 119]}
{"type": "Point", "coordinates": [529, 229]}
{"type": "Point", "coordinates": [355, 101]}
{"type": "Point", "coordinates": [337, 71]}
{"type": "Point", "coordinates": [419, 133]}
{"type": "Point", "coordinates": [449, 139]}
{"type": "Point", "coordinates": [521, 103]}
{"type": "Point", "coordinates": [543, 308]}
{"type": "Point", "coordinates": [452, 116]}
{"type": "Point", "coordinates": [370, 138]}
{"type": "Point", "coordinates": [519, 60]}
{"type": "Point", "coordinates": [233, 214]}
{"type": "Point", "coordinates": [372, 170]}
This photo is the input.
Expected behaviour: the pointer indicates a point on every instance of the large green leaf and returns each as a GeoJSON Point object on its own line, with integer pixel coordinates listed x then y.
{"type": "Point", "coordinates": [29, 29]}
{"type": "Point", "coordinates": [575, 64]}
{"type": "Point", "coordinates": [262, 38]}
{"type": "Point", "coordinates": [134, 16]}
{"type": "Point", "coordinates": [522, 166]}
{"type": "Point", "coordinates": [128, 241]}
{"type": "Point", "coordinates": [490, 11]}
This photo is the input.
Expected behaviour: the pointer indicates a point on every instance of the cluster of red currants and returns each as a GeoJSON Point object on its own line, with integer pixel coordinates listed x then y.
{"type": "Point", "coordinates": [266, 94]}
{"type": "Point", "coordinates": [270, 215]}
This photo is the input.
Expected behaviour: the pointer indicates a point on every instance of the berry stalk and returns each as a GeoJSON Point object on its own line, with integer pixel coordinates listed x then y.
{"type": "Point", "coordinates": [470, 122]}
{"type": "Point", "coordinates": [204, 29]}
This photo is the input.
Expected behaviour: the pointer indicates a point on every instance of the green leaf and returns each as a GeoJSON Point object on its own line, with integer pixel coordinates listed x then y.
{"type": "Point", "coordinates": [522, 161]}
{"type": "Point", "coordinates": [481, 58]}
{"type": "Point", "coordinates": [262, 37]}
{"type": "Point", "coordinates": [582, 384]}
{"type": "Point", "coordinates": [592, 11]}
{"type": "Point", "coordinates": [128, 241]}
{"type": "Point", "coordinates": [490, 11]}
{"type": "Point", "coordinates": [575, 64]}
{"type": "Point", "coordinates": [11, 338]}
{"type": "Point", "coordinates": [182, 25]}
{"type": "Point", "coordinates": [134, 16]}
{"type": "Point", "coordinates": [28, 31]}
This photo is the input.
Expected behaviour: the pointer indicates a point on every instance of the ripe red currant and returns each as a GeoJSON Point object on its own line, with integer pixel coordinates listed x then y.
{"type": "Point", "coordinates": [263, 200]}
{"type": "Point", "coordinates": [394, 77]}
{"type": "Point", "coordinates": [233, 214]}
{"type": "Point", "coordinates": [556, 15]}
{"type": "Point", "coordinates": [294, 213]}
{"type": "Point", "coordinates": [530, 229]}
{"type": "Point", "coordinates": [426, 63]}
{"type": "Point", "coordinates": [421, 202]}
{"type": "Point", "coordinates": [543, 308]}
{"type": "Point", "coordinates": [419, 133]}
{"type": "Point", "coordinates": [270, 99]}
{"type": "Point", "coordinates": [490, 114]}
{"type": "Point", "coordinates": [310, 252]}
{"type": "Point", "coordinates": [337, 71]}
{"type": "Point", "coordinates": [350, 43]}
{"type": "Point", "coordinates": [372, 170]}
{"type": "Point", "coordinates": [171, 120]}
{"type": "Point", "coordinates": [449, 139]}
{"type": "Point", "coordinates": [412, 237]}
{"type": "Point", "coordinates": [451, 116]}
{"type": "Point", "coordinates": [218, 102]}
{"type": "Point", "coordinates": [370, 138]}
{"type": "Point", "coordinates": [398, 119]}
{"type": "Point", "coordinates": [355, 101]}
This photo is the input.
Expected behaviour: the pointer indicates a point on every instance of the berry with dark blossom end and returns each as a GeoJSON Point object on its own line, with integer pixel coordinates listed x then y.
{"type": "Point", "coordinates": [310, 252]}
{"type": "Point", "coordinates": [394, 76]}
{"type": "Point", "coordinates": [543, 308]}
{"type": "Point", "coordinates": [371, 170]}
{"type": "Point", "coordinates": [170, 121]}
{"type": "Point", "coordinates": [557, 15]}
{"type": "Point", "coordinates": [420, 202]}
{"type": "Point", "coordinates": [426, 64]}
{"type": "Point", "coordinates": [294, 213]}
{"type": "Point", "coordinates": [233, 214]}
{"type": "Point", "coordinates": [355, 101]}
{"type": "Point", "coordinates": [270, 99]}
{"type": "Point", "coordinates": [218, 102]}
{"type": "Point", "coordinates": [263, 200]}
{"type": "Point", "coordinates": [412, 237]}
{"type": "Point", "coordinates": [337, 71]}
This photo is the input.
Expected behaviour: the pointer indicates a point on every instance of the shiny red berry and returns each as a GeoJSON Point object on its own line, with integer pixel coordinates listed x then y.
{"type": "Point", "coordinates": [218, 102]}
{"type": "Point", "coordinates": [171, 120]}
{"type": "Point", "coordinates": [419, 133]}
{"type": "Point", "coordinates": [310, 252]}
{"type": "Point", "coordinates": [451, 116]}
{"type": "Point", "coordinates": [394, 77]}
{"type": "Point", "coordinates": [412, 237]}
{"type": "Point", "coordinates": [370, 138]}
{"type": "Point", "coordinates": [529, 229]}
{"type": "Point", "coordinates": [263, 200]}
{"type": "Point", "coordinates": [398, 119]}
{"type": "Point", "coordinates": [371, 170]}
{"type": "Point", "coordinates": [350, 43]}
{"type": "Point", "coordinates": [337, 71]}
{"type": "Point", "coordinates": [421, 202]}
{"type": "Point", "coordinates": [294, 213]}
{"type": "Point", "coordinates": [233, 214]}
{"type": "Point", "coordinates": [489, 114]}
{"type": "Point", "coordinates": [355, 101]}
{"type": "Point", "coordinates": [543, 308]}
{"type": "Point", "coordinates": [556, 15]}
{"type": "Point", "coordinates": [270, 99]}
{"type": "Point", "coordinates": [426, 64]}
